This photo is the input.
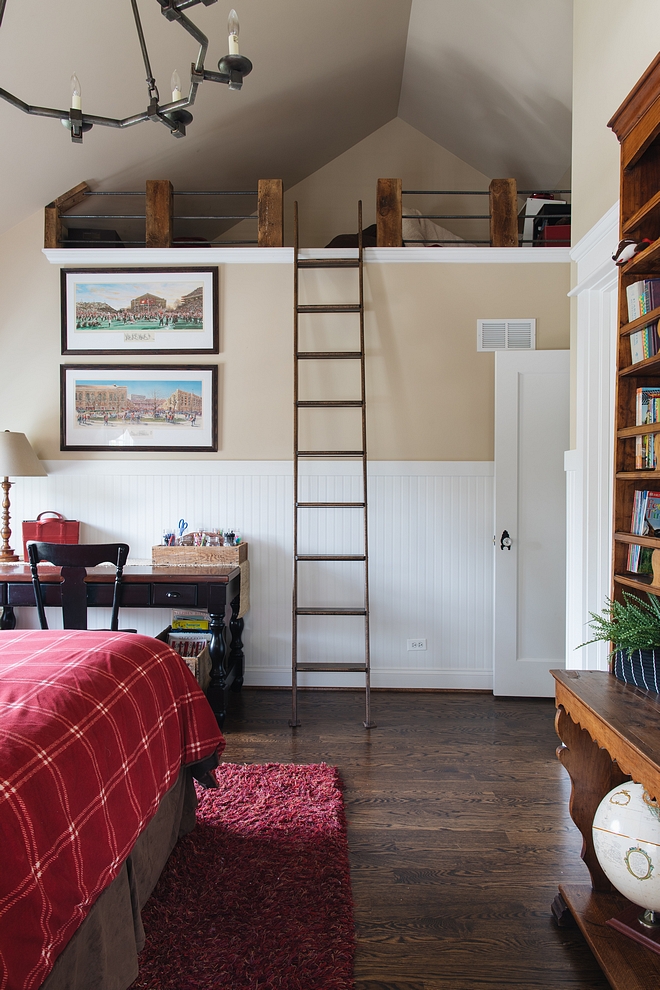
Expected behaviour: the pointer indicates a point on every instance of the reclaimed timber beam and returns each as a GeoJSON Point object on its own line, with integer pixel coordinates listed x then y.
{"type": "Point", "coordinates": [159, 209]}
{"type": "Point", "coordinates": [53, 228]}
{"type": "Point", "coordinates": [388, 213]}
{"type": "Point", "coordinates": [270, 213]}
{"type": "Point", "coordinates": [503, 196]}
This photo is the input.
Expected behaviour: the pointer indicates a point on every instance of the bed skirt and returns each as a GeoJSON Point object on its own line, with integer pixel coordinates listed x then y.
{"type": "Point", "coordinates": [103, 953]}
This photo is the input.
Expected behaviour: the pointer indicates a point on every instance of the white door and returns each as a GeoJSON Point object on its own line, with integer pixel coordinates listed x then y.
{"type": "Point", "coordinates": [531, 435]}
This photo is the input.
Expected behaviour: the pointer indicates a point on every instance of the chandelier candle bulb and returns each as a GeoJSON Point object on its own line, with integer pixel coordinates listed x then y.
{"type": "Point", "coordinates": [175, 83]}
{"type": "Point", "coordinates": [233, 29]}
{"type": "Point", "coordinates": [76, 93]}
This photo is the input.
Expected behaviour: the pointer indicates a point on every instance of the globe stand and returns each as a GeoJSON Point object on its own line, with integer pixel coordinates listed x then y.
{"type": "Point", "coordinates": [643, 927]}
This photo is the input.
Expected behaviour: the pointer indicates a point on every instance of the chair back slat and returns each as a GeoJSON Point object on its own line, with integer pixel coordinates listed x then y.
{"type": "Point", "coordinates": [73, 559]}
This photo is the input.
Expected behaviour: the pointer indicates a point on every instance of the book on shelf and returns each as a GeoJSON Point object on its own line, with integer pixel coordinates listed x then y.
{"type": "Point", "coordinates": [642, 296]}
{"type": "Point", "coordinates": [644, 343]}
{"type": "Point", "coordinates": [647, 410]}
{"type": "Point", "coordinates": [191, 619]}
{"type": "Point", "coordinates": [645, 521]}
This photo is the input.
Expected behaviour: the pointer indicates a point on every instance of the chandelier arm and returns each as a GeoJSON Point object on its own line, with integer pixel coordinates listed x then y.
{"type": "Point", "coordinates": [151, 82]}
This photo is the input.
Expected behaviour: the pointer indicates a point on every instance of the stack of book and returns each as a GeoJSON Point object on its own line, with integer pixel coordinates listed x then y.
{"type": "Point", "coordinates": [642, 296]}
{"type": "Point", "coordinates": [189, 637]}
{"type": "Point", "coordinates": [644, 343]}
{"type": "Point", "coordinates": [645, 521]}
{"type": "Point", "coordinates": [647, 410]}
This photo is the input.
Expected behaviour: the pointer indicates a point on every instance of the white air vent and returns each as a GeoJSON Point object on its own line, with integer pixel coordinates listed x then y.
{"type": "Point", "coordinates": [506, 335]}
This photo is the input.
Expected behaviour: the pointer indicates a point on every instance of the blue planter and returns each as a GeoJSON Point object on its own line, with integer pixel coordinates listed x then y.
{"type": "Point", "coordinates": [639, 667]}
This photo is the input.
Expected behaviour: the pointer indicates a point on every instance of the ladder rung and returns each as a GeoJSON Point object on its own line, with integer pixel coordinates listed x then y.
{"type": "Point", "coordinates": [329, 263]}
{"type": "Point", "coordinates": [328, 355]}
{"type": "Point", "coordinates": [330, 556]}
{"type": "Point", "coordinates": [331, 611]}
{"type": "Point", "coordinates": [330, 453]}
{"type": "Point", "coordinates": [336, 308]}
{"type": "Point", "coordinates": [330, 403]}
{"type": "Point", "coordinates": [331, 505]}
{"type": "Point", "coordinates": [339, 667]}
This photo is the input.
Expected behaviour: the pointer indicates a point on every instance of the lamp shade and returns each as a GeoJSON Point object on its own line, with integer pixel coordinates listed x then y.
{"type": "Point", "coordinates": [17, 459]}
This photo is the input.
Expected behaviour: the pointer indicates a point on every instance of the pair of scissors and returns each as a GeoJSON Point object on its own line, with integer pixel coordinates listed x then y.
{"type": "Point", "coordinates": [183, 526]}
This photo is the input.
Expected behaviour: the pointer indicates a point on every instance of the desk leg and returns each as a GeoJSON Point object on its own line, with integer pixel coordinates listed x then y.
{"type": "Point", "coordinates": [593, 773]}
{"type": "Point", "coordinates": [218, 651]}
{"type": "Point", "coordinates": [7, 618]}
{"type": "Point", "coordinates": [236, 655]}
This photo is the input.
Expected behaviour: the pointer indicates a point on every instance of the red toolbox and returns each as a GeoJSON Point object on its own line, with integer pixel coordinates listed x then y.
{"type": "Point", "coordinates": [55, 529]}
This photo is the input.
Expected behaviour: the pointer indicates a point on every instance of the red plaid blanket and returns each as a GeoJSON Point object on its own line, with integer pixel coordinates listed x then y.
{"type": "Point", "coordinates": [95, 727]}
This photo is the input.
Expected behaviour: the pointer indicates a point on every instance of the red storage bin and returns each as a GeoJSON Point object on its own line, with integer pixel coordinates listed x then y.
{"type": "Point", "coordinates": [55, 529]}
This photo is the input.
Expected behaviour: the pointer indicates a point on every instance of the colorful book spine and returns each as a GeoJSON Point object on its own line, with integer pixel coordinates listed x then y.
{"type": "Point", "coordinates": [642, 297]}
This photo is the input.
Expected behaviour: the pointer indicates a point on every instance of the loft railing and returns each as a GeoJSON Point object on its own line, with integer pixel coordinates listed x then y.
{"type": "Point", "coordinates": [160, 223]}
{"type": "Point", "coordinates": [512, 217]}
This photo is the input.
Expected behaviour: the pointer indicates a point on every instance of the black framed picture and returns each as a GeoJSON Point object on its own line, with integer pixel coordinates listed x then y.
{"type": "Point", "coordinates": [139, 311]}
{"type": "Point", "coordinates": [131, 407]}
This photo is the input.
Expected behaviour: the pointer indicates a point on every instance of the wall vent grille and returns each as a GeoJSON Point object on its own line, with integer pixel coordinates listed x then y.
{"type": "Point", "coordinates": [506, 335]}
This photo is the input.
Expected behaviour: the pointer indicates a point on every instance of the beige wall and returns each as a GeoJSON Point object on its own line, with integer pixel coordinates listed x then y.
{"type": "Point", "coordinates": [430, 395]}
{"type": "Point", "coordinates": [327, 199]}
{"type": "Point", "coordinates": [613, 43]}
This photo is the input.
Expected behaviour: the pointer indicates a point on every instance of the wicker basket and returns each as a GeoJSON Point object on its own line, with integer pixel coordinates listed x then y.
{"type": "Point", "coordinates": [198, 556]}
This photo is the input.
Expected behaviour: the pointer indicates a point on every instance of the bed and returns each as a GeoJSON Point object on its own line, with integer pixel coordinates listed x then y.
{"type": "Point", "coordinates": [102, 733]}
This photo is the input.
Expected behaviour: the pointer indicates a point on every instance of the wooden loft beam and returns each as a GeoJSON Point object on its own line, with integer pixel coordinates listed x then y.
{"type": "Point", "coordinates": [53, 214]}
{"type": "Point", "coordinates": [503, 196]}
{"type": "Point", "coordinates": [159, 210]}
{"type": "Point", "coordinates": [270, 213]}
{"type": "Point", "coordinates": [388, 213]}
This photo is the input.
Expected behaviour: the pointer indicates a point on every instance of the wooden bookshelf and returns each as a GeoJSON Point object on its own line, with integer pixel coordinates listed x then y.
{"type": "Point", "coordinates": [637, 126]}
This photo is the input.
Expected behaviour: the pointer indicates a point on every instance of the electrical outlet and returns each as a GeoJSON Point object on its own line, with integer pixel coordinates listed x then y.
{"type": "Point", "coordinates": [416, 644]}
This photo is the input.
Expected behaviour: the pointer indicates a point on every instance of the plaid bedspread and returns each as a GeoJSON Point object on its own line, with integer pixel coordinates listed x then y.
{"type": "Point", "coordinates": [94, 729]}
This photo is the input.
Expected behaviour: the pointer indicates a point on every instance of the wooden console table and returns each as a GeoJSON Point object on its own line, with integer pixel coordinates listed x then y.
{"type": "Point", "coordinates": [610, 732]}
{"type": "Point", "coordinates": [216, 589]}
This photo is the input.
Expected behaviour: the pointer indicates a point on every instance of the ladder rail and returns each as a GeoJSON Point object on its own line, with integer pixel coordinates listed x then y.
{"type": "Point", "coordinates": [294, 598]}
{"type": "Point", "coordinates": [363, 386]}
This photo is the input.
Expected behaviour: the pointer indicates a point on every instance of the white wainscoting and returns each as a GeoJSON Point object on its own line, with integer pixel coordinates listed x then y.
{"type": "Point", "coordinates": [431, 532]}
{"type": "Point", "coordinates": [589, 467]}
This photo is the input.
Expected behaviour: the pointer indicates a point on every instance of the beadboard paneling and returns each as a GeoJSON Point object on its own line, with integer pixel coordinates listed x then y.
{"type": "Point", "coordinates": [430, 532]}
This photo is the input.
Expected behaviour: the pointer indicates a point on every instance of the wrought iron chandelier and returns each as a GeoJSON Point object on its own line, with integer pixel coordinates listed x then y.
{"type": "Point", "coordinates": [232, 69]}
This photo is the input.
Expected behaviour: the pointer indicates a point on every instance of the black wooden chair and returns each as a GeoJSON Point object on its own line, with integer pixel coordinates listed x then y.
{"type": "Point", "coordinates": [73, 560]}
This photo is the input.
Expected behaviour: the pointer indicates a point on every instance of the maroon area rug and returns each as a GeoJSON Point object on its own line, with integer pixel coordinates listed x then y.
{"type": "Point", "coordinates": [258, 896]}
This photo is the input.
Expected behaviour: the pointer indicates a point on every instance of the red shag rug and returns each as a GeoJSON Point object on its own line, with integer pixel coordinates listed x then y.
{"type": "Point", "coordinates": [258, 896]}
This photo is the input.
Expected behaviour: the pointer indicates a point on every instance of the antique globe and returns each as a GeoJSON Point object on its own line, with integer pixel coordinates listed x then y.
{"type": "Point", "coordinates": [626, 832]}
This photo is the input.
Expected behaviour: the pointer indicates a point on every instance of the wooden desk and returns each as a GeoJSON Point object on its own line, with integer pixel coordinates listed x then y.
{"type": "Point", "coordinates": [610, 732]}
{"type": "Point", "coordinates": [214, 589]}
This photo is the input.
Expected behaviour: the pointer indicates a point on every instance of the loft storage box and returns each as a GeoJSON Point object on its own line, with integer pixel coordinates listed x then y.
{"type": "Point", "coordinates": [196, 556]}
{"type": "Point", "coordinates": [50, 527]}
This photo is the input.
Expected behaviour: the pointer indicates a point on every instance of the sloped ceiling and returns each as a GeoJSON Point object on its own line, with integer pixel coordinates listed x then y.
{"type": "Point", "coordinates": [491, 81]}
{"type": "Point", "coordinates": [488, 79]}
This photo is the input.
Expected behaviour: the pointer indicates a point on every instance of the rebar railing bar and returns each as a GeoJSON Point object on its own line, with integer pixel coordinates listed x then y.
{"type": "Point", "coordinates": [445, 216]}
{"type": "Point", "coordinates": [92, 192]}
{"type": "Point", "coordinates": [105, 216]}
{"type": "Point", "coordinates": [206, 216]}
{"type": "Point", "coordinates": [216, 192]}
{"type": "Point", "coordinates": [445, 192]}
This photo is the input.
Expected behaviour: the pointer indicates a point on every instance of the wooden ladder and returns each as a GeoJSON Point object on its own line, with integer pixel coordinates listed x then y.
{"type": "Point", "coordinates": [300, 264]}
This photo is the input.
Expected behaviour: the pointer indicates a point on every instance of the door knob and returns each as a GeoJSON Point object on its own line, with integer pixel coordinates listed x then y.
{"type": "Point", "coordinates": [505, 540]}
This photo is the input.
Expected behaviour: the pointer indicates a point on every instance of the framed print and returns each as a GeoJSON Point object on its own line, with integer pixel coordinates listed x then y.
{"type": "Point", "coordinates": [139, 311]}
{"type": "Point", "coordinates": [129, 407]}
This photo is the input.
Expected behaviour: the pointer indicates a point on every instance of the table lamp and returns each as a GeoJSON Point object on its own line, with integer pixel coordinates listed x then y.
{"type": "Point", "coordinates": [18, 460]}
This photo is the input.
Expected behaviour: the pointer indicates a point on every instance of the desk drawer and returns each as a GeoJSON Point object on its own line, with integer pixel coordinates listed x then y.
{"type": "Point", "coordinates": [174, 595]}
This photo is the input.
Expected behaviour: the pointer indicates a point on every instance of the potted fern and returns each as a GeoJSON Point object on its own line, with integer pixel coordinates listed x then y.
{"type": "Point", "coordinates": [633, 625]}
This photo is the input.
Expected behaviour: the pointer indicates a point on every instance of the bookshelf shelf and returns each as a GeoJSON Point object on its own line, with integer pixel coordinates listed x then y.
{"type": "Point", "coordinates": [640, 322]}
{"type": "Point", "coordinates": [642, 368]}
{"type": "Point", "coordinates": [637, 126]}
{"type": "Point", "coordinates": [646, 263]}
{"type": "Point", "coordinates": [642, 541]}
{"type": "Point", "coordinates": [637, 583]}
{"type": "Point", "coordinates": [637, 431]}
{"type": "Point", "coordinates": [649, 211]}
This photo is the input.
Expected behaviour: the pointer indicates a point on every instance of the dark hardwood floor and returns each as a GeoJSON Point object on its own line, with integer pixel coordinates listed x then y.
{"type": "Point", "coordinates": [458, 831]}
